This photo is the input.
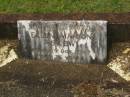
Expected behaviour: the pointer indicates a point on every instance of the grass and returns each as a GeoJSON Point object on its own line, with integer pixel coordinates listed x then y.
{"type": "Point", "coordinates": [63, 6]}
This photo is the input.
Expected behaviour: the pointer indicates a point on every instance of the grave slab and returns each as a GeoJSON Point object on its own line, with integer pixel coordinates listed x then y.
{"type": "Point", "coordinates": [71, 41]}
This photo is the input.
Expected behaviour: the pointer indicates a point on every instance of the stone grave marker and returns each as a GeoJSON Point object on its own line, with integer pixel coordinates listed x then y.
{"type": "Point", "coordinates": [72, 41]}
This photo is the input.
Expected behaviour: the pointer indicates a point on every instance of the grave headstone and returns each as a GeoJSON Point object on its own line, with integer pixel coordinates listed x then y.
{"type": "Point", "coordinates": [73, 41]}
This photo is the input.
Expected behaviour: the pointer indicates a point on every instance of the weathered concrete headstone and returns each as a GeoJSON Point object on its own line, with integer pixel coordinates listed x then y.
{"type": "Point", "coordinates": [66, 41]}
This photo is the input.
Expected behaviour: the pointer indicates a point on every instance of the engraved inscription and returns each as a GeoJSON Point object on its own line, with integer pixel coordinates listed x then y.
{"type": "Point", "coordinates": [66, 41]}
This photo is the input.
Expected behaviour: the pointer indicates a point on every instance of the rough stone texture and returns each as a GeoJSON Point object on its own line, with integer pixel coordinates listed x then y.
{"type": "Point", "coordinates": [120, 59]}
{"type": "Point", "coordinates": [66, 41]}
{"type": "Point", "coordinates": [7, 55]}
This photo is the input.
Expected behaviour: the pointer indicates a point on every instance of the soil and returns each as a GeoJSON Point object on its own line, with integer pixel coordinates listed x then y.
{"type": "Point", "coordinates": [111, 17]}
{"type": "Point", "coordinates": [38, 78]}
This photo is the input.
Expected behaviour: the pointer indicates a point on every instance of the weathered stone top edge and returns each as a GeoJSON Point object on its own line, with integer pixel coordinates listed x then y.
{"type": "Point", "coordinates": [105, 21]}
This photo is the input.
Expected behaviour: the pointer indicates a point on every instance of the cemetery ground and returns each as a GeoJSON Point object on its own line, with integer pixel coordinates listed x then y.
{"type": "Point", "coordinates": [37, 78]}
